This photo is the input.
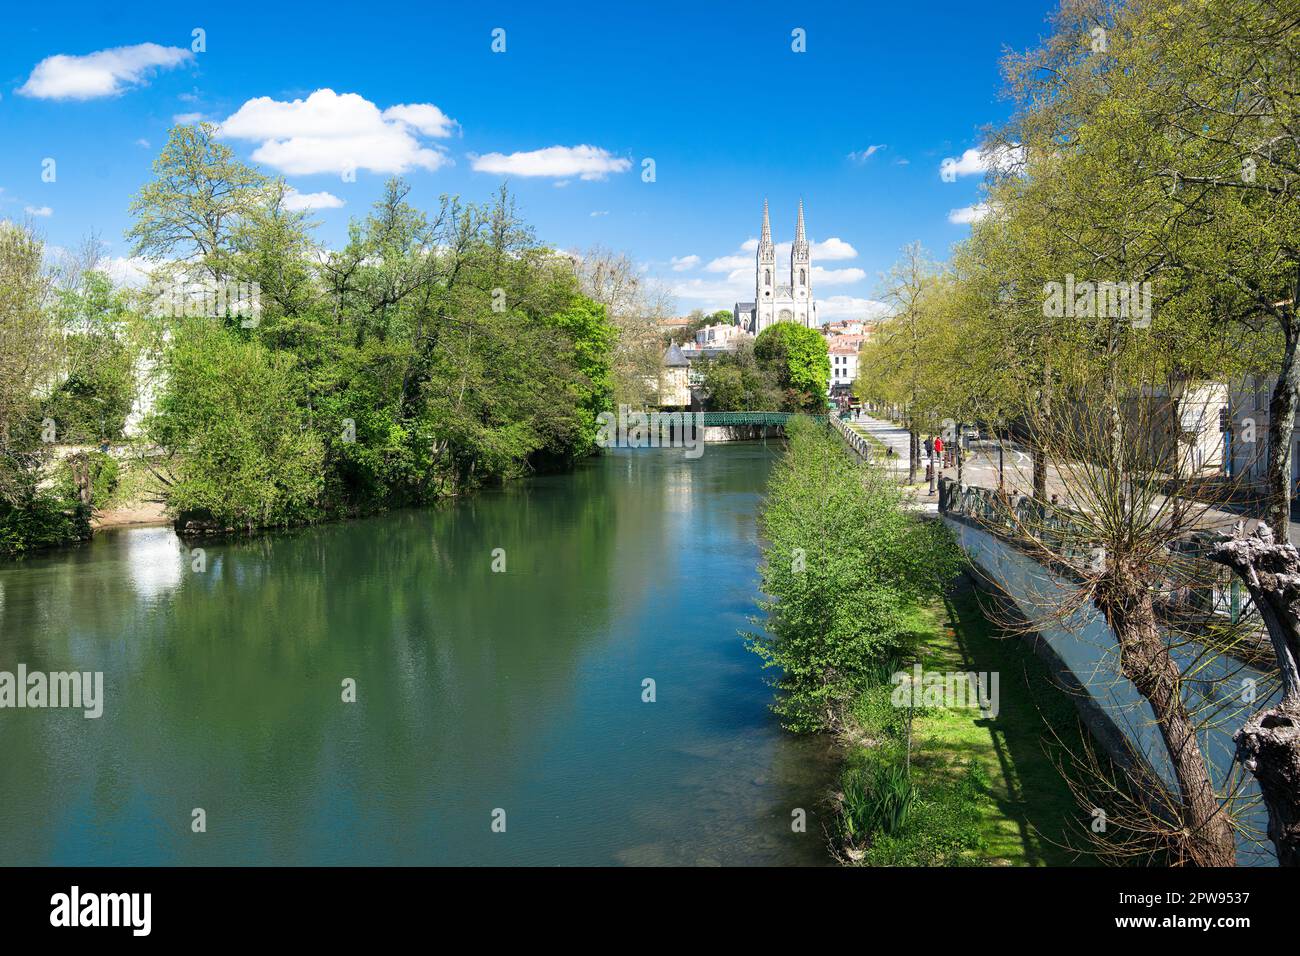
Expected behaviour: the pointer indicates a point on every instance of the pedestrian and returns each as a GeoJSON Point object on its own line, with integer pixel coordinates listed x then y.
{"type": "Point", "coordinates": [929, 448]}
{"type": "Point", "coordinates": [938, 447]}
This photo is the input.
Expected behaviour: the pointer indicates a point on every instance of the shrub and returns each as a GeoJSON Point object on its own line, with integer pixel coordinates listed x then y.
{"type": "Point", "coordinates": [843, 563]}
{"type": "Point", "coordinates": [42, 522]}
{"type": "Point", "coordinates": [942, 829]}
{"type": "Point", "coordinates": [877, 800]}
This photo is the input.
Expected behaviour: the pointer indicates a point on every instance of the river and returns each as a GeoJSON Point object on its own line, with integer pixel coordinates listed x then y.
{"type": "Point", "coordinates": [477, 690]}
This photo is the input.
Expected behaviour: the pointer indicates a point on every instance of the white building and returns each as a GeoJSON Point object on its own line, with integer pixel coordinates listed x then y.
{"type": "Point", "coordinates": [774, 302]}
{"type": "Point", "coordinates": [843, 351]}
{"type": "Point", "coordinates": [722, 335]}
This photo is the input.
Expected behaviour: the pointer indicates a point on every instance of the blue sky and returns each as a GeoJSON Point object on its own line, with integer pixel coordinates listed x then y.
{"type": "Point", "coordinates": [713, 94]}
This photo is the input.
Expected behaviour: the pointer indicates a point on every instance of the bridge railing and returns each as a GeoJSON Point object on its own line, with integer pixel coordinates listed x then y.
{"type": "Point", "coordinates": [719, 419]}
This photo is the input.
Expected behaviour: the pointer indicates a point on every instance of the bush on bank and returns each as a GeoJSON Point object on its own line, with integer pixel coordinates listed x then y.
{"type": "Point", "coordinates": [845, 568]}
{"type": "Point", "coordinates": [842, 564]}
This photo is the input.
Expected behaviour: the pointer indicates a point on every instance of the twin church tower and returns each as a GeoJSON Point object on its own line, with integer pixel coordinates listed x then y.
{"type": "Point", "coordinates": [773, 302]}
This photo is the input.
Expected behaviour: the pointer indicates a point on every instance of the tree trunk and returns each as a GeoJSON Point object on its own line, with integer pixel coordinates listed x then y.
{"type": "Point", "coordinates": [1040, 475]}
{"type": "Point", "coordinates": [1281, 424]}
{"type": "Point", "coordinates": [1268, 745]}
{"type": "Point", "coordinates": [1044, 433]}
{"type": "Point", "coordinates": [79, 464]}
{"type": "Point", "coordinates": [913, 451]}
{"type": "Point", "coordinates": [1145, 660]}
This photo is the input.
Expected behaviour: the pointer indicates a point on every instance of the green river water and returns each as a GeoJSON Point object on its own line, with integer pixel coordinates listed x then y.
{"type": "Point", "coordinates": [476, 691]}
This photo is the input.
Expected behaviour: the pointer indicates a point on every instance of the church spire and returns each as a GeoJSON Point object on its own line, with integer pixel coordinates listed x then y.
{"type": "Point", "coordinates": [799, 251]}
{"type": "Point", "coordinates": [765, 248]}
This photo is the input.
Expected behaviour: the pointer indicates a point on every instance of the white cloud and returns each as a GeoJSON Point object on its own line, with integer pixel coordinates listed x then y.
{"type": "Point", "coordinates": [38, 211]}
{"type": "Point", "coordinates": [425, 117]}
{"type": "Point", "coordinates": [847, 306]}
{"type": "Point", "coordinates": [715, 293]}
{"type": "Point", "coordinates": [332, 133]}
{"type": "Point", "coordinates": [104, 73]}
{"type": "Point", "coordinates": [599, 212]}
{"type": "Point", "coordinates": [294, 200]}
{"type": "Point", "coordinates": [132, 272]}
{"type": "Point", "coordinates": [142, 143]}
{"type": "Point", "coordinates": [968, 214]}
{"type": "Point", "coordinates": [685, 263]}
{"type": "Point", "coordinates": [833, 248]}
{"type": "Point", "coordinates": [862, 155]}
{"type": "Point", "coordinates": [187, 119]}
{"type": "Point", "coordinates": [980, 160]}
{"type": "Point", "coordinates": [730, 263]}
{"type": "Point", "coordinates": [585, 162]}
{"type": "Point", "coordinates": [822, 276]}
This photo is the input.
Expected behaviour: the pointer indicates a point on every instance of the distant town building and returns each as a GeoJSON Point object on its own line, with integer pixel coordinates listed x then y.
{"type": "Point", "coordinates": [844, 361]}
{"type": "Point", "coordinates": [722, 335]}
{"type": "Point", "coordinates": [843, 327]}
{"type": "Point", "coordinates": [775, 302]}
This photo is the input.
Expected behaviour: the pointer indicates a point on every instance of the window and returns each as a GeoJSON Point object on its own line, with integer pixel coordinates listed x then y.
{"type": "Point", "coordinates": [767, 277]}
{"type": "Point", "coordinates": [803, 277]}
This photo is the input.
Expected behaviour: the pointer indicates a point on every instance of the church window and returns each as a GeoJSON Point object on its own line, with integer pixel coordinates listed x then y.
{"type": "Point", "coordinates": [767, 277]}
{"type": "Point", "coordinates": [803, 277]}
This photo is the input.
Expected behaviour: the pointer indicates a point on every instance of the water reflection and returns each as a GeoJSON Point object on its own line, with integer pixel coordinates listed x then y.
{"type": "Point", "coordinates": [476, 689]}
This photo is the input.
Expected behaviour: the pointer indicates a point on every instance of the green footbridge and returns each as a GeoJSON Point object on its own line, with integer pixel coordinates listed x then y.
{"type": "Point", "coordinates": [722, 419]}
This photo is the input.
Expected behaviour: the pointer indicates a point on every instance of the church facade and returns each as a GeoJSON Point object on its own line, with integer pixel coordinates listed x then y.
{"type": "Point", "coordinates": [780, 302]}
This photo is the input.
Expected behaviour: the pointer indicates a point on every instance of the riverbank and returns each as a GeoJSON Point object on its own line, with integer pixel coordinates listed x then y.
{"type": "Point", "coordinates": [987, 790]}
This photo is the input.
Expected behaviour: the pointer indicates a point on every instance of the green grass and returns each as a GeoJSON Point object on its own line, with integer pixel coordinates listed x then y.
{"type": "Point", "coordinates": [988, 790]}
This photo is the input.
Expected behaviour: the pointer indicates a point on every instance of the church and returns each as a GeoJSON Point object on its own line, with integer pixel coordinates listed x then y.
{"type": "Point", "coordinates": [792, 302]}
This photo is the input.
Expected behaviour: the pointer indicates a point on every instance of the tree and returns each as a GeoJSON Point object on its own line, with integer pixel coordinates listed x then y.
{"type": "Point", "coordinates": [734, 381]}
{"type": "Point", "coordinates": [901, 363]}
{"type": "Point", "coordinates": [31, 357]}
{"type": "Point", "coordinates": [196, 202]}
{"type": "Point", "coordinates": [1182, 126]}
{"type": "Point", "coordinates": [634, 305]}
{"type": "Point", "coordinates": [239, 454]}
{"type": "Point", "coordinates": [799, 361]}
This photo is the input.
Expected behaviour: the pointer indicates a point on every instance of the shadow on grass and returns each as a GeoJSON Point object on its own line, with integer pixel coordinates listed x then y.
{"type": "Point", "coordinates": [1032, 711]}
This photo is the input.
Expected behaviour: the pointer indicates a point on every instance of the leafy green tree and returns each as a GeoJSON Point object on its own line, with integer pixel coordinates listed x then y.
{"type": "Point", "coordinates": [734, 382]}
{"type": "Point", "coordinates": [31, 358]}
{"type": "Point", "coordinates": [98, 387]}
{"type": "Point", "coordinates": [800, 360]}
{"type": "Point", "coordinates": [195, 203]}
{"type": "Point", "coordinates": [238, 452]}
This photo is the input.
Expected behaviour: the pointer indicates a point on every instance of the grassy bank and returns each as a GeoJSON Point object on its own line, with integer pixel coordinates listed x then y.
{"type": "Point", "coordinates": [867, 596]}
{"type": "Point", "coordinates": [985, 789]}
